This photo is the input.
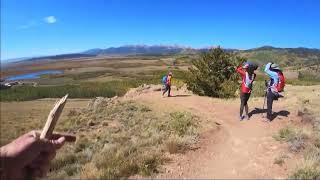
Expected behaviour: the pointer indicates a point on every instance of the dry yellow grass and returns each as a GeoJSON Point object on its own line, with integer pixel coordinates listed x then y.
{"type": "Point", "coordinates": [305, 102]}
{"type": "Point", "coordinates": [120, 139]}
{"type": "Point", "coordinates": [21, 117]}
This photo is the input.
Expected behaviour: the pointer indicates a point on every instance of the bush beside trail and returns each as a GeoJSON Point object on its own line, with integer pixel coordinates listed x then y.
{"type": "Point", "coordinates": [214, 74]}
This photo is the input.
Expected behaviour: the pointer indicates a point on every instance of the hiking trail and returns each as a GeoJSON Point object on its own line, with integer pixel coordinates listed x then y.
{"type": "Point", "coordinates": [227, 147]}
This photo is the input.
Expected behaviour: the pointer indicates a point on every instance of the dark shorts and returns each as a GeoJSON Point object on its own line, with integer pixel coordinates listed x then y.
{"type": "Point", "coordinates": [244, 97]}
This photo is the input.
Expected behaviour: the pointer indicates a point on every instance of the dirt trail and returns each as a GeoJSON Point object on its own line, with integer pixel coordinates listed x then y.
{"type": "Point", "coordinates": [228, 148]}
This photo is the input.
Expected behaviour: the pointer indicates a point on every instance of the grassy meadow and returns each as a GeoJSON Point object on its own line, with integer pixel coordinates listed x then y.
{"type": "Point", "coordinates": [107, 78]}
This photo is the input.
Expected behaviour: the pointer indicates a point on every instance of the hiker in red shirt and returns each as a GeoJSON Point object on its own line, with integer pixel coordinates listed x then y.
{"type": "Point", "coordinates": [247, 74]}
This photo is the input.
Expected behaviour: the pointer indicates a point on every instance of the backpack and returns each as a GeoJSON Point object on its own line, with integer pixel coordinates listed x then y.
{"type": "Point", "coordinates": [164, 79]}
{"type": "Point", "coordinates": [281, 83]}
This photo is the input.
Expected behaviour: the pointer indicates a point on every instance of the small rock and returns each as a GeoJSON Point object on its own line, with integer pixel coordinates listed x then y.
{"type": "Point", "coordinates": [300, 113]}
{"type": "Point", "coordinates": [105, 123]}
{"type": "Point", "coordinates": [90, 123]}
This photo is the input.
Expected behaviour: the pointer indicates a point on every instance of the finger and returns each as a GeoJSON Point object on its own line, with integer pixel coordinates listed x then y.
{"type": "Point", "coordinates": [55, 136]}
{"type": "Point", "coordinates": [68, 137]}
{"type": "Point", "coordinates": [48, 147]}
{"type": "Point", "coordinates": [58, 143]}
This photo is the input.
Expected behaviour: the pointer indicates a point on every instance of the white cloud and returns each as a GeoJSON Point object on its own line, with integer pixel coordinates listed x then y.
{"type": "Point", "coordinates": [50, 19]}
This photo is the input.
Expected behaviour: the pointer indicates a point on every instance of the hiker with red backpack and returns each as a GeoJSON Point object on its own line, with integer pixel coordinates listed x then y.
{"type": "Point", "coordinates": [247, 74]}
{"type": "Point", "coordinates": [166, 80]}
{"type": "Point", "coordinates": [274, 87]}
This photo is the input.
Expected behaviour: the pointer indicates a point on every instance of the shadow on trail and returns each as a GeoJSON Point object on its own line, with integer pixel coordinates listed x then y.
{"type": "Point", "coordinates": [181, 95]}
{"type": "Point", "coordinates": [283, 113]}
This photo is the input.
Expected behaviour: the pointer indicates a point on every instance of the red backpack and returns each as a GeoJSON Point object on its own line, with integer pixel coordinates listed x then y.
{"type": "Point", "coordinates": [282, 82]}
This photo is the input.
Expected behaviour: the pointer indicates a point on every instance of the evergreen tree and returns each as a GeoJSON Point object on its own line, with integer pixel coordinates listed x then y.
{"type": "Point", "coordinates": [214, 74]}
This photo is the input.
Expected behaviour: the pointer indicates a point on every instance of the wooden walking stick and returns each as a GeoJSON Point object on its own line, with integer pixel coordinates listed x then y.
{"type": "Point", "coordinates": [53, 118]}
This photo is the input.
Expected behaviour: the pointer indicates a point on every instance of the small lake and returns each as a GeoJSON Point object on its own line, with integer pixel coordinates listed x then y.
{"type": "Point", "coordinates": [34, 75]}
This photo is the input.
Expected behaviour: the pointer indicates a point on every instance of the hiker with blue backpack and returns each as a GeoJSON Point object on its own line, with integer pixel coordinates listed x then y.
{"type": "Point", "coordinates": [166, 80]}
{"type": "Point", "coordinates": [246, 71]}
{"type": "Point", "coordinates": [274, 87]}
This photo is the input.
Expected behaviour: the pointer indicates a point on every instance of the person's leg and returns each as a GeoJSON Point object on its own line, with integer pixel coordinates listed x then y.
{"type": "Point", "coordinates": [165, 90]}
{"type": "Point", "coordinates": [246, 104]}
{"type": "Point", "coordinates": [247, 109]}
{"type": "Point", "coordinates": [169, 91]}
{"type": "Point", "coordinates": [269, 105]}
{"type": "Point", "coordinates": [241, 105]}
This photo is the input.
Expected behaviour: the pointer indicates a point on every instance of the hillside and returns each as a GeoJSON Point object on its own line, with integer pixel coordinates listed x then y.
{"type": "Point", "coordinates": [186, 136]}
{"type": "Point", "coordinates": [282, 56]}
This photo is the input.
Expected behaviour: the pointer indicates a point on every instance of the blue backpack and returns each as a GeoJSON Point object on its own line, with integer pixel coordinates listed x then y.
{"type": "Point", "coordinates": [164, 79]}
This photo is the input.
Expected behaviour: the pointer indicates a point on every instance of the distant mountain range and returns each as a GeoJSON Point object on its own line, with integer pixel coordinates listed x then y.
{"type": "Point", "coordinates": [146, 50]}
{"type": "Point", "coordinates": [136, 50]}
{"type": "Point", "coordinates": [284, 56]}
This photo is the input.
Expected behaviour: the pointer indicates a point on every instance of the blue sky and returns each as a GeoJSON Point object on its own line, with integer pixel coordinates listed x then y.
{"type": "Point", "coordinates": [45, 27]}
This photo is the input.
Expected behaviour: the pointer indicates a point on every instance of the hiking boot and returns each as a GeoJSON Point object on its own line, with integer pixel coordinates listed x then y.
{"type": "Point", "coordinates": [270, 117]}
{"type": "Point", "coordinates": [266, 119]}
{"type": "Point", "coordinates": [241, 118]}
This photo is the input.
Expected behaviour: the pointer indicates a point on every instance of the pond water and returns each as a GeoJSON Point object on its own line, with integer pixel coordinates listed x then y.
{"type": "Point", "coordinates": [34, 75]}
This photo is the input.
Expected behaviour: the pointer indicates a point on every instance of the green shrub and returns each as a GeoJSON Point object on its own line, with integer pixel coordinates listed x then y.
{"type": "Point", "coordinates": [149, 164]}
{"type": "Point", "coordinates": [214, 74]}
{"type": "Point", "coordinates": [285, 134]}
{"type": "Point", "coordinates": [306, 172]}
{"type": "Point", "coordinates": [295, 138]}
{"type": "Point", "coordinates": [258, 89]}
{"type": "Point", "coordinates": [309, 76]}
{"type": "Point", "coordinates": [181, 122]}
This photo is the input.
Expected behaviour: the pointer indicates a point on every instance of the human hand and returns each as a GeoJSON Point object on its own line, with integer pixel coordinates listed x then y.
{"type": "Point", "coordinates": [28, 156]}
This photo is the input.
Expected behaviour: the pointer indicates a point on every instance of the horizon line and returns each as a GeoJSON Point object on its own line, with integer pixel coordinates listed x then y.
{"type": "Point", "coordinates": [150, 45]}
